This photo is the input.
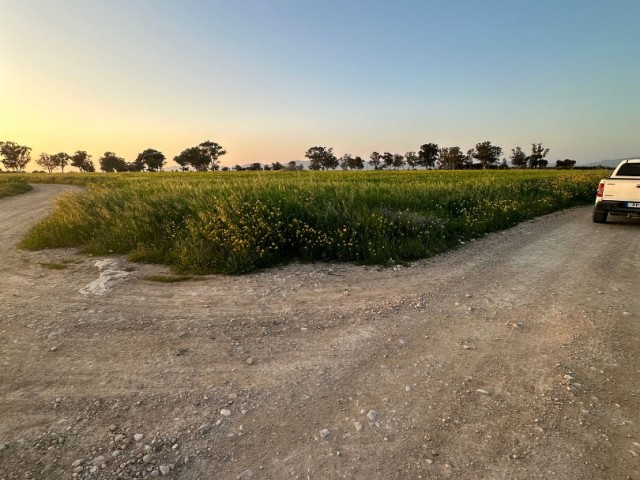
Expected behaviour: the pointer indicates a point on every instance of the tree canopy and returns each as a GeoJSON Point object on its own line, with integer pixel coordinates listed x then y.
{"type": "Point", "coordinates": [14, 157]}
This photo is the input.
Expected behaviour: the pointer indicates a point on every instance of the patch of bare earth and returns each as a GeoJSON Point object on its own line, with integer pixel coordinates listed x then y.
{"type": "Point", "coordinates": [514, 357]}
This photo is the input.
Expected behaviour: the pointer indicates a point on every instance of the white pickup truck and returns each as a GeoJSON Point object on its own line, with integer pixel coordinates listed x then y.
{"type": "Point", "coordinates": [620, 193]}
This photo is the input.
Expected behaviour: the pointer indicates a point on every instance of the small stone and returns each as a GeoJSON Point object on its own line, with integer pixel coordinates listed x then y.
{"type": "Point", "coordinates": [3, 446]}
{"type": "Point", "coordinates": [112, 428]}
{"type": "Point", "coordinates": [325, 432]}
{"type": "Point", "coordinates": [626, 314]}
{"type": "Point", "coordinates": [225, 412]}
{"type": "Point", "coordinates": [248, 473]}
{"type": "Point", "coordinates": [118, 437]}
{"type": "Point", "coordinates": [78, 469]}
{"type": "Point", "coordinates": [482, 391]}
{"type": "Point", "coordinates": [249, 361]}
{"type": "Point", "coordinates": [77, 462]}
{"type": "Point", "coordinates": [53, 349]}
{"type": "Point", "coordinates": [372, 415]}
{"type": "Point", "coordinates": [116, 453]}
{"type": "Point", "coordinates": [429, 461]}
{"type": "Point", "coordinates": [205, 427]}
{"type": "Point", "coordinates": [148, 458]}
{"type": "Point", "coordinates": [164, 469]}
{"type": "Point", "coordinates": [98, 460]}
{"type": "Point", "coordinates": [138, 437]}
{"type": "Point", "coordinates": [358, 426]}
{"type": "Point", "coordinates": [467, 347]}
{"type": "Point", "coordinates": [154, 474]}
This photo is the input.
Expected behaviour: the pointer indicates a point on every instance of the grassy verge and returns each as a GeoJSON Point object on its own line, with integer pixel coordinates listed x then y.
{"type": "Point", "coordinates": [238, 222]}
{"type": "Point", "coordinates": [13, 186]}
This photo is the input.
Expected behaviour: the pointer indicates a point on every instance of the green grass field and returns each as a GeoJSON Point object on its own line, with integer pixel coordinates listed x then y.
{"type": "Point", "coordinates": [236, 222]}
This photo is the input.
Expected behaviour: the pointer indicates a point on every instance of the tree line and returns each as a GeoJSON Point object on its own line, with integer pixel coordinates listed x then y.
{"type": "Point", "coordinates": [206, 155]}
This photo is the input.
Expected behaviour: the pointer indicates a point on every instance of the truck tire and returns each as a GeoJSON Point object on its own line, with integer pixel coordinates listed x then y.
{"type": "Point", "coordinates": [599, 217]}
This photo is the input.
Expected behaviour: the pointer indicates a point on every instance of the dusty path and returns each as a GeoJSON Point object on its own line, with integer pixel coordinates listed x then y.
{"type": "Point", "coordinates": [509, 358]}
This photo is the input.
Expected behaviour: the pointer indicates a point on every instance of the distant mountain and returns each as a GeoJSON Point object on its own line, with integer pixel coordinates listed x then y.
{"type": "Point", "coordinates": [608, 163]}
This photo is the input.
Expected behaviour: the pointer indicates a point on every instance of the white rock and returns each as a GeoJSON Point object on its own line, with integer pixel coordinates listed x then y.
{"type": "Point", "coordinates": [372, 415]}
{"type": "Point", "coordinates": [225, 412]}
{"type": "Point", "coordinates": [482, 391]}
{"type": "Point", "coordinates": [164, 469]}
{"type": "Point", "coordinates": [138, 437]}
{"type": "Point", "coordinates": [325, 432]}
{"type": "Point", "coordinates": [358, 426]}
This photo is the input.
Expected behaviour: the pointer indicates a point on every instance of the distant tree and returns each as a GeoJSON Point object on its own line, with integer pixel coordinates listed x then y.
{"type": "Point", "coordinates": [256, 166]}
{"type": "Point", "coordinates": [47, 162]}
{"type": "Point", "coordinates": [375, 160]}
{"type": "Point", "coordinates": [412, 159]}
{"type": "Point", "coordinates": [134, 167]}
{"type": "Point", "coordinates": [321, 158]}
{"type": "Point", "coordinates": [213, 151]}
{"type": "Point", "coordinates": [201, 158]}
{"type": "Point", "coordinates": [239, 168]}
{"type": "Point", "coordinates": [292, 165]}
{"type": "Point", "coordinates": [387, 160]}
{"type": "Point", "coordinates": [277, 166]}
{"type": "Point", "coordinates": [543, 163]}
{"type": "Point", "coordinates": [566, 163]}
{"type": "Point", "coordinates": [518, 158]}
{"type": "Point", "coordinates": [538, 152]}
{"type": "Point", "coordinates": [14, 157]}
{"type": "Point", "coordinates": [62, 160]}
{"type": "Point", "coordinates": [428, 155]}
{"type": "Point", "coordinates": [224, 169]}
{"type": "Point", "coordinates": [82, 161]}
{"type": "Point", "coordinates": [452, 158]}
{"type": "Point", "coordinates": [487, 154]}
{"type": "Point", "coordinates": [110, 162]}
{"type": "Point", "coordinates": [266, 167]}
{"type": "Point", "coordinates": [193, 157]}
{"type": "Point", "coordinates": [398, 161]}
{"type": "Point", "coordinates": [357, 163]}
{"type": "Point", "coordinates": [152, 159]}
{"type": "Point", "coordinates": [345, 161]}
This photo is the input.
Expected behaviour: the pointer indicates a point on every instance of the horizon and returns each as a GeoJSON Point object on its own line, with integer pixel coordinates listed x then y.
{"type": "Point", "coordinates": [267, 82]}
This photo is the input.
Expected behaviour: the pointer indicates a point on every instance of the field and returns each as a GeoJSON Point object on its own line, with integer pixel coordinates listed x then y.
{"type": "Point", "coordinates": [239, 222]}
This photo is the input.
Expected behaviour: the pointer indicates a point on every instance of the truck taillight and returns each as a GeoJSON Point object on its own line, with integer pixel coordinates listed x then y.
{"type": "Point", "coordinates": [600, 191]}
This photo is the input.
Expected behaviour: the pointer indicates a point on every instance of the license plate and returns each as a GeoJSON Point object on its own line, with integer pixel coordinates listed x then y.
{"type": "Point", "coordinates": [633, 205]}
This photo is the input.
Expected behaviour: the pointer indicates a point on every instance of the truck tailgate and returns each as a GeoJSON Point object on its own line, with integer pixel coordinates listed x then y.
{"type": "Point", "coordinates": [622, 189]}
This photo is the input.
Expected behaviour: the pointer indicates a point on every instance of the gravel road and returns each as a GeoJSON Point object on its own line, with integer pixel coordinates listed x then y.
{"type": "Point", "coordinates": [513, 357]}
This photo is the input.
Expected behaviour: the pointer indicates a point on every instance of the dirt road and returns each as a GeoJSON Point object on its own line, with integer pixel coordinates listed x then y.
{"type": "Point", "coordinates": [514, 357]}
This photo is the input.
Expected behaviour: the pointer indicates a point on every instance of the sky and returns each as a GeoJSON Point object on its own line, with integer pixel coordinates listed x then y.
{"type": "Point", "coordinates": [270, 79]}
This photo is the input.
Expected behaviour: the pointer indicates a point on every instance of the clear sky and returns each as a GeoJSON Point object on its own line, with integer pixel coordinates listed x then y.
{"type": "Point", "coordinates": [268, 79]}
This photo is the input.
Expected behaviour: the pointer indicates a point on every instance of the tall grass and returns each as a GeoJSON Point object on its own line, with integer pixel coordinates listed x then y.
{"type": "Point", "coordinates": [11, 185]}
{"type": "Point", "coordinates": [237, 222]}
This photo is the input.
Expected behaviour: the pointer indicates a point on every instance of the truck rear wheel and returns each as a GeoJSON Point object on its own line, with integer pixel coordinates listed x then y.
{"type": "Point", "coordinates": [600, 217]}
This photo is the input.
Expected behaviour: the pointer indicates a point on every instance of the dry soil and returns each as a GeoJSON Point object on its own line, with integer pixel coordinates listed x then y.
{"type": "Point", "coordinates": [513, 357]}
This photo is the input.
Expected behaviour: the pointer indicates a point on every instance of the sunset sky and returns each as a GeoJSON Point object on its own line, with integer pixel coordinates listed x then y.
{"type": "Point", "coordinates": [269, 79]}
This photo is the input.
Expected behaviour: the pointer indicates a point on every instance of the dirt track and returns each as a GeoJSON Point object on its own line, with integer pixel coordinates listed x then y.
{"type": "Point", "coordinates": [509, 358]}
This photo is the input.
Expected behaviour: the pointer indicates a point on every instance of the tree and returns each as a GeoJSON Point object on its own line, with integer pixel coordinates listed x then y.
{"type": "Point", "coordinates": [276, 166]}
{"type": "Point", "coordinates": [110, 162]}
{"type": "Point", "coordinates": [321, 158]}
{"type": "Point", "coordinates": [46, 161]}
{"type": "Point", "coordinates": [375, 159]}
{"type": "Point", "coordinates": [61, 159]}
{"type": "Point", "coordinates": [292, 165]}
{"type": "Point", "coordinates": [193, 157]}
{"type": "Point", "coordinates": [428, 155]}
{"type": "Point", "coordinates": [82, 161]}
{"type": "Point", "coordinates": [256, 167]}
{"type": "Point", "coordinates": [14, 157]}
{"type": "Point", "coordinates": [213, 151]}
{"type": "Point", "coordinates": [452, 158]}
{"type": "Point", "coordinates": [412, 159]}
{"type": "Point", "coordinates": [357, 163]}
{"type": "Point", "coordinates": [387, 159]}
{"type": "Point", "coordinates": [152, 159]}
{"type": "Point", "coordinates": [345, 161]}
{"type": "Point", "coordinates": [566, 163]}
{"type": "Point", "coordinates": [239, 168]}
{"type": "Point", "coordinates": [135, 166]}
{"type": "Point", "coordinates": [398, 161]}
{"type": "Point", "coordinates": [201, 158]}
{"type": "Point", "coordinates": [487, 154]}
{"type": "Point", "coordinates": [538, 152]}
{"type": "Point", "coordinates": [518, 158]}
